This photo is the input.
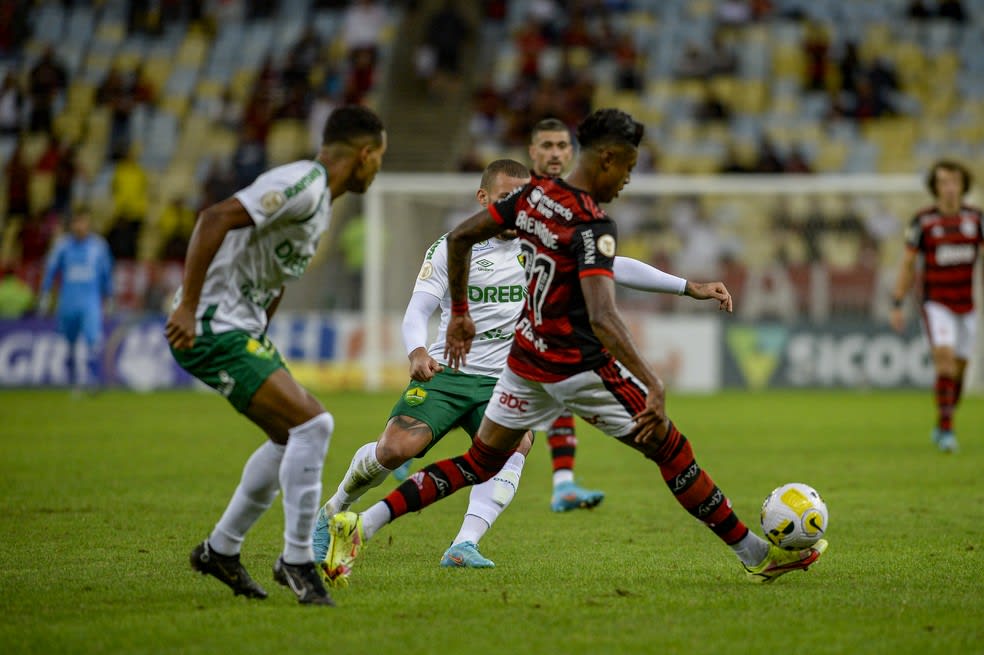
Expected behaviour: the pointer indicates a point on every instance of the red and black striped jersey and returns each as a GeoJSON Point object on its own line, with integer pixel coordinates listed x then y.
{"type": "Point", "coordinates": [564, 236]}
{"type": "Point", "coordinates": [949, 244]}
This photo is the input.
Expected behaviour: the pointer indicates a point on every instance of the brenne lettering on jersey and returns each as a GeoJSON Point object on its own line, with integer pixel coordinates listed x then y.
{"type": "Point", "coordinates": [527, 223]}
{"type": "Point", "coordinates": [507, 293]}
{"type": "Point", "coordinates": [953, 254]}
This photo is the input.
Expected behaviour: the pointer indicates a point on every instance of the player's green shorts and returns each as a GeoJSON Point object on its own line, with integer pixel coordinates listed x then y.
{"type": "Point", "coordinates": [233, 363]}
{"type": "Point", "coordinates": [448, 400]}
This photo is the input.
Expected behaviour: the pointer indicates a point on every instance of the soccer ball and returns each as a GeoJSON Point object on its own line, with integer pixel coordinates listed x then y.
{"type": "Point", "coordinates": [794, 516]}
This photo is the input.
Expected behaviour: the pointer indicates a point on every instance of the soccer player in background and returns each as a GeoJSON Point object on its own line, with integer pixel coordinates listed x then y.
{"type": "Point", "coordinates": [82, 262]}
{"type": "Point", "coordinates": [242, 252]}
{"type": "Point", "coordinates": [571, 349]}
{"type": "Point", "coordinates": [947, 237]}
{"type": "Point", "coordinates": [438, 399]}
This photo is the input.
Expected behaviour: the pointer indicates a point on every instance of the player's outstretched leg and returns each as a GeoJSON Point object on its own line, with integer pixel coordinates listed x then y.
{"type": "Point", "coordinates": [227, 569]}
{"type": "Point", "coordinates": [350, 531]}
{"type": "Point", "coordinates": [567, 494]}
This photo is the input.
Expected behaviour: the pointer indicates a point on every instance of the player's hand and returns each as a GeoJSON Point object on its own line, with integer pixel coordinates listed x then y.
{"type": "Point", "coordinates": [896, 319]}
{"type": "Point", "coordinates": [180, 328]}
{"type": "Point", "coordinates": [461, 331]}
{"type": "Point", "coordinates": [651, 422]}
{"type": "Point", "coordinates": [423, 367]}
{"type": "Point", "coordinates": [709, 290]}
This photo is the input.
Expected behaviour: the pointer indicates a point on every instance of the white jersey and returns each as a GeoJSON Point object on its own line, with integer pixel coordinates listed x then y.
{"type": "Point", "coordinates": [496, 294]}
{"type": "Point", "coordinates": [291, 208]}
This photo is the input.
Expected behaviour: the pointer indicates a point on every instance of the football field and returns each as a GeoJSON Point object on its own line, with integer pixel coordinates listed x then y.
{"type": "Point", "coordinates": [104, 497]}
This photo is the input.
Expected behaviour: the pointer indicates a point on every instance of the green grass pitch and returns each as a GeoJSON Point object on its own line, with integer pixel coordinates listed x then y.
{"type": "Point", "coordinates": [104, 497]}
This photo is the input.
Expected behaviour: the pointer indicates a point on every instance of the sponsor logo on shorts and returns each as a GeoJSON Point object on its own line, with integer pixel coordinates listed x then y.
{"type": "Point", "coordinates": [415, 396]}
{"type": "Point", "coordinates": [510, 401]}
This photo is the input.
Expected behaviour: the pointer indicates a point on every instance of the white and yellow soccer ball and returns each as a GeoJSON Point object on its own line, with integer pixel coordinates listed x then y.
{"type": "Point", "coordinates": [794, 516]}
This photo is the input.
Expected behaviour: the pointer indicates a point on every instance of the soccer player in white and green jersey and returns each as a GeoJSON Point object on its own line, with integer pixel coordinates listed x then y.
{"type": "Point", "coordinates": [439, 398]}
{"type": "Point", "coordinates": [242, 252]}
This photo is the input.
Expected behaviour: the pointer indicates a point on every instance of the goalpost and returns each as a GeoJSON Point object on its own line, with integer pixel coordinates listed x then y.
{"type": "Point", "coordinates": [819, 248]}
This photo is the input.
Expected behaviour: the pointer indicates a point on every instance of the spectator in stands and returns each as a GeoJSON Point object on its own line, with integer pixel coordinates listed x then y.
{"type": "Point", "coordinates": [917, 10]}
{"type": "Point", "coordinates": [66, 170]}
{"type": "Point", "coordinates": [768, 159]}
{"type": "Point", "coordinates": [447, 30]}
{"type": "Point", "coordinates": [48, 80]}
{"type": "Point", "coordinates": [306, 53]}
{"type": "Point", "coordinates": [816, 47]}
{"type": "Point", "coordinates": [362, 28]}
{"type": "Point", "coordinates": [711, 109]}
{"type": "Point", "coordinates": [130, 192]}
{"type": "Point", "coordinates": [175, 227]}
{"type": "Point", "coordinates": [952, 10]}
{"type": "Point", "coordinates": [250, 158]}
{"type": "Point", "coordinates": [628, 76]}
{"type": "Point", "coordinates": [12, 106]}
{"type": "Point", "coordinates": [796, 161]}
{"type": "Point", "coordinates": [693, 64]}
{"type": "Point", "coordinates": [486, 124]}
{"type": "Point", "coordinates": [14, 27]}
{"type": "Point", "coordinates": [116, 94]}
{"type": "Point", "coordinates": [18, 175]}
{"type": "Point", "coordinates": [16, 296]}
{"type": "Point", "coordinates": [734, 13]}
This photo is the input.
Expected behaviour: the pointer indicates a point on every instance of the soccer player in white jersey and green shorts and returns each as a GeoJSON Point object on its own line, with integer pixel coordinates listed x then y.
{"type": "Point", "coordinates": [439, 399]}
{"type": "Point", "coordinates": [242, 253]}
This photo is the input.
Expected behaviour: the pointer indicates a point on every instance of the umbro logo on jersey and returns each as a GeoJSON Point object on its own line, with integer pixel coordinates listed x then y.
{"type": "Point", "coordinates": [485, 264]}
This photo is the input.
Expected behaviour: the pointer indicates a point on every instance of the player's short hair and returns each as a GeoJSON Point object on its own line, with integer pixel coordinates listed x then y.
{"type": "Point", "coordinates": [350, 122]}
{"type": "Point", "coordinates": [507, 167]}
{"type": "Point", "coordinates": [609, 126]}
{"type": "Point", "coordinates": [549, 125]}
{"type": "Point", "coordinates": [948, 165]}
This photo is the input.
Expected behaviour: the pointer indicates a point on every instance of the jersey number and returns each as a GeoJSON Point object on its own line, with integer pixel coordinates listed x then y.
{"type": "Point", "coordinates": [540, 271]}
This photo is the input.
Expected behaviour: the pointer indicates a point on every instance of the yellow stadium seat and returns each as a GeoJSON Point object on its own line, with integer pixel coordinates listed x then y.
{"type": "Point", "coordinates": [40, 191]}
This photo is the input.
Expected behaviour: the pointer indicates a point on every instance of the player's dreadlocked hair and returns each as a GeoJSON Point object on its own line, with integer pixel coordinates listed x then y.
{"type": "Point", "coordinates": [508, 167]}
{"type": "Point", "coordinates": [606, 126]}
{"type": "Point", "coordinates": [351, 122]}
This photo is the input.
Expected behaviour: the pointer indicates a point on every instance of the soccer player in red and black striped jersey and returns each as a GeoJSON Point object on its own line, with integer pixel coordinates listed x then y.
{"type": "Point", "coordinates": [947, 237]}
{"type": "Point", "coordinates": [551, 151]}
{"type": "Point", "coordinates": [571, 350]}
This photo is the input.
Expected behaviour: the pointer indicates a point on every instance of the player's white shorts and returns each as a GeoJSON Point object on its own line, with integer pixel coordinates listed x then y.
{"type": "Point", "coordinates": [946, 328]}
{"type": "Point", "coordinates": [607, 398]}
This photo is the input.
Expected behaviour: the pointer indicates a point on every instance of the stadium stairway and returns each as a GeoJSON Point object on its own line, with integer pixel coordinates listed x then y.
{"type": "Point", "coordinates": [425, 130]}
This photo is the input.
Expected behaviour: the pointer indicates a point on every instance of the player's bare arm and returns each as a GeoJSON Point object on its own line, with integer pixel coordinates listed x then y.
{"type": "Point", "coordinates": [608, 326]}
{"type": "Point", "coordinates": [907, 273]}
{"type": "Point", "coordinates": [210, 230]}
{"type": "Point", "coordinates": [461, 328]}
{"type": "Point", "coordinates": [710, 291]}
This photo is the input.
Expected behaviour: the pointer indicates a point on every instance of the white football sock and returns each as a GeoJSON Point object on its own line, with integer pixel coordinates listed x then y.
{"type": "Point", "coordinates": [374, 518]}
{"type": "Point", "coordinates": [488, 500]}
{"type": "Point", "coordinates": [561, 476]}
{"type": "Point", "coordinates": [752, 549]}
{"type": "Point", "coordinates": [254, 495]}
{"type": "Point", "coordinates": [300, 478]}
{"type": "Point", "coordinates": [364, 473]}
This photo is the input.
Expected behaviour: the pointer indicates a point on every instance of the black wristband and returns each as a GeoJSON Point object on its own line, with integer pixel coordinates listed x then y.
{"type": "Point", "coordinates": [897, 303]}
